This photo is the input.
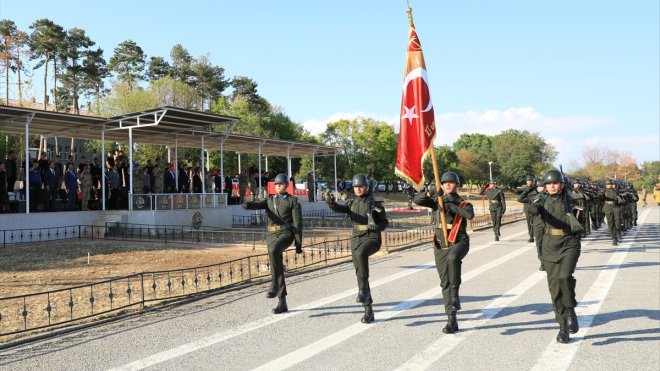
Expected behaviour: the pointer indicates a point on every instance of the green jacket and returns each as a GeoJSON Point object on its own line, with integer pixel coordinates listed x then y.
{"type": "Point", "coordinates": [287, 214]}
{"type": "Point", "coordinates": [553, 211]}
{"type": "Point", "coordinates": [357, 212]}
{"type": "Point", "coordinates": [495, 198]}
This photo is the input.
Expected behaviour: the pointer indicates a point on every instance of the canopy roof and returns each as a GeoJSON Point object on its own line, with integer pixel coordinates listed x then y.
{"type": "Point", "coordinates": [161, 126]}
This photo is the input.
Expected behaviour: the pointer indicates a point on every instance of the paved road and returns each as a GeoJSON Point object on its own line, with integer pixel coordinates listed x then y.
{"type": "Point", "coordinates": [506, 321]}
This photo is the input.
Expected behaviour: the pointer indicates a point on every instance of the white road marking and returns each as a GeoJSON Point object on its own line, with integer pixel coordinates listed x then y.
{"type": "Point", "coordinates": [560, 356]}
{"type": "Point", "coordinates": [445, 344]}
{"type": "Point", "coordinates": [325, 343]}
{"type": "Point", "coordinates": [268, 320]}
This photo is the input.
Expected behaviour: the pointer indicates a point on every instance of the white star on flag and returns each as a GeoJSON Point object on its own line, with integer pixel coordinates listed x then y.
{"type": "Point", "coordinates": [410, 114]}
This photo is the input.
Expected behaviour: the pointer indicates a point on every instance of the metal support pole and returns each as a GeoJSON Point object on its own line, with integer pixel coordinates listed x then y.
{"type": "Point", "coordinates": [239, 162]}
{"type": "Point", "coordinates": [26, 177]}
{"type": "Point", "coordinates": [314, 174]}
{"type": "Point", "coordinates": [130, 168]}
{"type": "Point", "coordinates": [176, 163]}
{"type": "Point", "coordinates": [169, 154]}
{"type": "Point", "coordinates": [261, 144]}
{"type": "Point", "coordinates": [288, 160]}
{"type": "Point", "coordinates": [103, 169]}
{"type": "Point", "coordinates": [222, 166]}
{"type": "Point", "coordinates": [201, 168]}
{"type": "Point", "coordinates": [335, 161]}
{"type": "Point", "coordinates": [266, 163]}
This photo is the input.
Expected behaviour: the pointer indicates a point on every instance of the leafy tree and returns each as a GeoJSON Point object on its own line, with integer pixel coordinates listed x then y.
{"type": "Point", "coordinates": [128, 62]}
{"type": "Point", "coordinates": [8, 35]}
{"type": "Point", "coordinates": [447, 161]}
{"type": "Point", "coordinates": [181, 64]}
{"type": "Point", "coordinates": [519, 153]}
{"type": "Point", "coordinates": [479, 144]}
{"type": "Point", "coordinates": [209, 81]}
{"type": "Point", "coordinates": [247, 88]}
{"type": "Point", "coordinates": [158, 68]}
{"type": "Point", "coordinates": [21, 41]}
{"type": "Point", "coordinates": [123, 99]}
{"type": "Point", "coordinates": [46, 42]}
{"type": "Point", "coordinates": [95, 71]}
{"type": "Point", "coordinates": [364, 145]}
{"type": "Point", "coordinates": [171, 92]}
{"type": "Point", "coordinates": [76, 48]}
{"type": "Point", "coordinates": [472, 167]}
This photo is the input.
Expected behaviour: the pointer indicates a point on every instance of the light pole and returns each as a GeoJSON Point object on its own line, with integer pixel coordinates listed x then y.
{"type": "Point", "coordinates": [490, 170]}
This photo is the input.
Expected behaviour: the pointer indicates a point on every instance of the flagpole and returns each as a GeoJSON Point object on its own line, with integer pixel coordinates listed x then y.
{"type": "Point", "coordinates": [441, 204]}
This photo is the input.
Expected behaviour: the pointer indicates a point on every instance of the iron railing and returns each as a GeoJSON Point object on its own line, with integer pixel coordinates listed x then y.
{"type": "Point", "coordinates": [34, 235]}
{"type": "Point", "coordinates": [24, 313]}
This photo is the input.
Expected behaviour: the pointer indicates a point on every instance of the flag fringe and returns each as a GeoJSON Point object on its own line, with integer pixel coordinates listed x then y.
{"type": "Point", "coordinates": [402, 175]}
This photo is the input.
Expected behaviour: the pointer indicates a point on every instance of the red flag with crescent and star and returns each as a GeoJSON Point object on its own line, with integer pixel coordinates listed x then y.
{"type": "Point", "coordinates": [417, 120]}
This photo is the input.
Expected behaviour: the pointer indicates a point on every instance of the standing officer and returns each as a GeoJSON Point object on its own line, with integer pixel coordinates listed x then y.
{"type": "Point", "coordinates": [448, 259]}
{"type": "Point", "coordinates": [284, 227]}
{"type": "Point", "coordinates": [536, 221]}
{"type": "Point", "coordinates": [242, 185]}
{"type": "Point", "coordinates": [560, 251]}
{"type": "Point", "coordinates": [528, 194]}
{"type": "Point", "coordinates": [611, 212]}
{"type": "Point", "coordinates": [369, 220]}
{"type": "Point", "coordinates": [71, 182]}
{"type": "Point", "coordinates": [497, 206]}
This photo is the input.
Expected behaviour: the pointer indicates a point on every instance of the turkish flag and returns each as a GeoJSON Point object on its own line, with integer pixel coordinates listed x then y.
{"type": "Point", "coordinates": [417, 122]}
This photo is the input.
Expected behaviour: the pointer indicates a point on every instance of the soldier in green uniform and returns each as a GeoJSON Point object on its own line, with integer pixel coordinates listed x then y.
{"type": "Point", "coordinates": [537, 223]}
{"type": "Point", "coordinates": [369, 219]}
{"type": "Point", "coordinates": [497, 206]}
{"type": "Point", "coordinates": [284, 227]}
{"type": "Point", "coordinates": [581, 212]}
{"type": "Point", "coordinates": [528, 193]}
{"type": "Point", "coordinates": [242, 185]}
{"type": "Point", "coordinates": [560, 251]}
{"type": "Point", "coordinates": [610, 210]}
{"type": "Point", "coordinates": [448, 259]}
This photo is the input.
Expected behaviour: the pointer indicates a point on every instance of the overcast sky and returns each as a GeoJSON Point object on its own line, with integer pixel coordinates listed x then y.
{"type": "Point", "coordinates": [581, 73]}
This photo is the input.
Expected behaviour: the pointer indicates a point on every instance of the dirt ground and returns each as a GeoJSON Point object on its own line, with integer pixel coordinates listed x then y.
{"type": "Point", "coordinates": [49, 266]}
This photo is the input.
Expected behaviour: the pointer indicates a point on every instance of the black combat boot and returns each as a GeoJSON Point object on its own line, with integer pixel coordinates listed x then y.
{"type": "Point", "coordinates": [364, 295]}
{"type": "Point", "coordinates": [562, 336]}
{"type": "Point", "coordinates": [455, 302]}
{"type": "Point", "coordinates": [452, 324]}
{"type": "Point", "coordinates": [497, 238]}
{"type": "Point", "coordinates": [635, 222]}
{"type": "Point", "coordinates": [615, 242]}
{"type": "Point", "coordinates": [360, 297]}
{"type": "Point", "coordinates": [272, 292]}
{"type": "Point", "coordinates": [572, 321]}
{"type": "Point", "coordinates": [531, 239]}
{"type": "Point", "coordinates": [542, 267]}
{"type": "Point", "coordinates": [368, 314]}
{"type": "Point", "coordinates": [281, 306]}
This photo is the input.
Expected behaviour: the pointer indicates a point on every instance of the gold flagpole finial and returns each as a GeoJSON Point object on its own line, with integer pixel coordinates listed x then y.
{"type": "Point", "coordinates": [410, 18]}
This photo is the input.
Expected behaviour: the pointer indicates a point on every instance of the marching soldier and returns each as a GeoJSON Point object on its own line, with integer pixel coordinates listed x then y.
{"type": "Point", "coordinates": [284, 227]}
{"type": "Point", "coordinates": [611, 212]}
{"type": "Point", "coordinates": [560, 251]}
{"type": "Point", "coordinates": [497, 206]}
{"type": "Point", "coordinates": [528, 193]}
{"type": "Point", "coordinates": [448, 259]}
{"type": "Point", "coordinates": [536, 221]}
{"type": "Point", "coordinates": [581, 211]}
{"type": "Point", "coordinates": [369, 219]}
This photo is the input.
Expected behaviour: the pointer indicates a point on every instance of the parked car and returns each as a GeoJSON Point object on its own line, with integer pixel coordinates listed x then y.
{"type": "Point", "coordinates": [381, 187]}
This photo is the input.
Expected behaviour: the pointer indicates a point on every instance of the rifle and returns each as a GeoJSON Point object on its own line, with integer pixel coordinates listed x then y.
{"type": "Point", "coordinates": [576, 226]}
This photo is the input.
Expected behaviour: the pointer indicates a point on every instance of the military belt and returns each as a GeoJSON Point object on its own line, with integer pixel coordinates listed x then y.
{"type": "Point", "coordinates": [557, 232]}
{"type": "Point", "coordinates": [494, 201]}
{"type": "Point", "coordinates": [360, 227]}
{"type": "Point", "coordinates": [609, 202]}
{"type": "Point", "coordinates": [276, 228]}
{"type": "Point", "coordinates": [449, 226]}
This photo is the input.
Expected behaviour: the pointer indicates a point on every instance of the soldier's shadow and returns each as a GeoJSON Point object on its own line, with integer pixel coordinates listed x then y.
{"type": "Point", "coordinates": [437, 302]}
{"type": "Point", "coordinates": [535, 309]}
{"type": "Point", "coordinates": [632, 335]}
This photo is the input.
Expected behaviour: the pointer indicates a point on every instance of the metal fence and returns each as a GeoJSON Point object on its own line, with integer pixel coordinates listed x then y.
{"type": "Point", "coordinates": [24, 313]}
{"type": "Point", "coordinates": [33, 235]}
